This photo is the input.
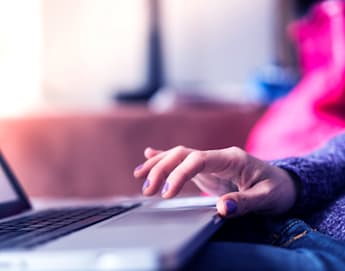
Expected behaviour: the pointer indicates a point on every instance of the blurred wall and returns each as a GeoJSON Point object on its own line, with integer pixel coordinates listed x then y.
{"type": "Point", "coordinates": [218, 41]}
{"type": "Point", "coordinates": [90, 48]}
{"type": "Point", "coordinates": [95, 47]}
{"type": "Point", "coordinates": [20, 55]}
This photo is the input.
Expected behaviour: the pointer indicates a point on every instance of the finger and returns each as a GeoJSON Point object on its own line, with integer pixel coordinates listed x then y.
{"type": "Point", "coordinates": [151, 152]}
{"type": "Point", "coordinates": [213, 161]}
{"type": "Point", "coordinates": [193, 164]}
{"type": "Point", "coordinates": [256, 199]}
{"type": "Point", "coordinates": [161, 170]}
{"type": "Point", "coordinates": [143, 170]}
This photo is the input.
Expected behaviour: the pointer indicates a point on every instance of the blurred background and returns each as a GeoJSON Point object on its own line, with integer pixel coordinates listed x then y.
{"type": "Point", "coordinates": [76, 76]}
{"type": "Point", "coordinates": [80, 53]}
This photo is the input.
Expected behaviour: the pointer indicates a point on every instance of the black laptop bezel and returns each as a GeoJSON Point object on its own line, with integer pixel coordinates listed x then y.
{"type": "Point", "coordinates": [22, 203]}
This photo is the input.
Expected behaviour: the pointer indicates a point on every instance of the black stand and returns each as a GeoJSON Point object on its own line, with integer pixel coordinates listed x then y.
{"type": "Point", "coordinates": [155, 72]}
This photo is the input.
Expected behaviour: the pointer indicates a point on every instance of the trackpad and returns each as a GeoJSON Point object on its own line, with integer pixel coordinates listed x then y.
{"type": "Point", "coordinates": [162, 217]}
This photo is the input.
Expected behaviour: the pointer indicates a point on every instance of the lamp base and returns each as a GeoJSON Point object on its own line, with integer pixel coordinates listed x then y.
{"type": "Point", "coordinates": [141, 95]}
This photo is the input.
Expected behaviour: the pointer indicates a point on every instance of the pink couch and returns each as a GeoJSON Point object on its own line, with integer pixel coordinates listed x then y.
{"type": "Point", "coordinates": [93, 154]}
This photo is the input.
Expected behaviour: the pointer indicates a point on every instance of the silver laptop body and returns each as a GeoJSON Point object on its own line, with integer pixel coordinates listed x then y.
{"type": "Point", "coordinates": [151, 235]}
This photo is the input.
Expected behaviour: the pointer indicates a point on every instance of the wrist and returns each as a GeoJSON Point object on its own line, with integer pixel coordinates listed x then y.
{"type": "Point", "coordinates": [288, 189]}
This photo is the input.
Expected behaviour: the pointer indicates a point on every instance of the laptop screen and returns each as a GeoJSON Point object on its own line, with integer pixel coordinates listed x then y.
{"type": "Point", "coordinates": [12, 197]}
{"type": "Point", "coordinates": [7, 192]}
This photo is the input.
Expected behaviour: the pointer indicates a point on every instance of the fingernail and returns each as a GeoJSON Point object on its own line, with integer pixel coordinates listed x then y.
{"type": "Point", "coordinates": [165, 188]}
{"type": "Point", "coordinates": [231, 206]}
{"type": "Point", "coordinates": [146, 184]}
{"type": "Point", "coordinates": [139, 167]}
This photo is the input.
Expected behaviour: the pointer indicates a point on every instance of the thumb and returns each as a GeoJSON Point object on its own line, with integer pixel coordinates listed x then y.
{"type": "Point", "coordinates": [240, 203]}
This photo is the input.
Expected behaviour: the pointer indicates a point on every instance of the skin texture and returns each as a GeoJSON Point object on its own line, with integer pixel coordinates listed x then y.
{"type": "Point", "coordinates": [250, 184]}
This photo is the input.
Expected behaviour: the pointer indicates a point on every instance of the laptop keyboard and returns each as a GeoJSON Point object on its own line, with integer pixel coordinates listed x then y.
{"type": "Point", "coordinates": [47, 225]}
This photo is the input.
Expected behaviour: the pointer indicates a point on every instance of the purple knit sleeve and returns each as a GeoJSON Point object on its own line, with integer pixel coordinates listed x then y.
{"type": "Point", "coordinates": [320, 175]}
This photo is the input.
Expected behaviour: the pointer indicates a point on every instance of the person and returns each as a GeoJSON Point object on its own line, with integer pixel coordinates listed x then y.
{"type": "Point", "coordinates": [301, 201]}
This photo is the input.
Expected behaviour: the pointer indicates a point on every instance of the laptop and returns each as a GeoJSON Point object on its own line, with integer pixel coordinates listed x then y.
{"type": "Point", "coordinates": [134, 234]}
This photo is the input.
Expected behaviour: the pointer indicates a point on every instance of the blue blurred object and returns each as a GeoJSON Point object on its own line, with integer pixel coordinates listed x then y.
{"type": "Point", "coordinates": [273, 82]}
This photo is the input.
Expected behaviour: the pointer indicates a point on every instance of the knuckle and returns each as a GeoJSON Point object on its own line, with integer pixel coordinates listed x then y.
{"type": "Point", "coordinates": [179, 148]}
{"type": "Point", "coordinates": [235, 149]}
{"type": "Point", "coordinates": [196, 155]}
{"type": "Point", "coordinates": [199, 158]}
{"type": "Point", "coordinates": [180, 153]}
{"type": "Point", "coordinates": [237, 152]}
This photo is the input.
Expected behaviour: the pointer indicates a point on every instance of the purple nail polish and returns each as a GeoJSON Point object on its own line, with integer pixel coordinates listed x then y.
{"type": "Point", "coordinates": [231, 206]}
{"type": "Point", "coordinates": [146, 184]}
{"type": "Point", "coordinates": [165, 188]}
{"type": "Point", "coordinates": [139, 167]}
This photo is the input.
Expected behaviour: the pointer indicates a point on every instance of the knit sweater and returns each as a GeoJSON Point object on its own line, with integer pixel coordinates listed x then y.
{"type": "Point", "coordinates": [321, 179]}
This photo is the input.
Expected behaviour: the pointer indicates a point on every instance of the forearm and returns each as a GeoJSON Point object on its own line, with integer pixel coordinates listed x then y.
{"type": "Point", "coordinates": [319, 175]}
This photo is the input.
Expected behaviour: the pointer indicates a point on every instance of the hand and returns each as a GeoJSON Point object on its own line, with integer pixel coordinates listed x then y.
{"type": "Point", "coordinates": [244, 183]}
